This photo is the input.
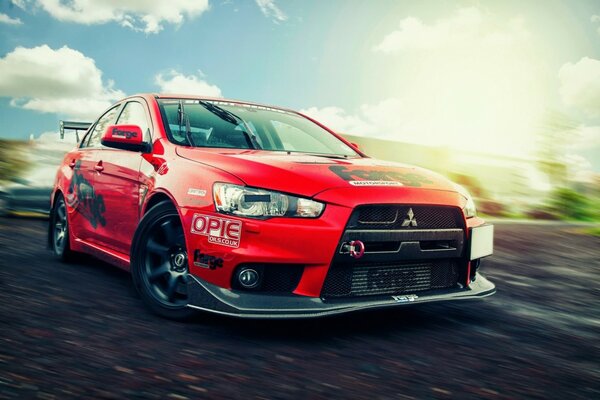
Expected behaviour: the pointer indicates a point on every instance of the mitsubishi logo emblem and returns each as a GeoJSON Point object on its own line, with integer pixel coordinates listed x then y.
{"type": "Point", "coordinates": [410, 220]}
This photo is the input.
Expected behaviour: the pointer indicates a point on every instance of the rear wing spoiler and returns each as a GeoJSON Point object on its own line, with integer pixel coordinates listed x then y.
{"type": "Point", "coordinates": [73, 125]}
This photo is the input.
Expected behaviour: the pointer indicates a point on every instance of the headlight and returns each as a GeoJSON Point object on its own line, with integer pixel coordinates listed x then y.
{"type": "Point", "coordinates": [469, 209]}
{"type": "Point", "coordinates": [259, 203]}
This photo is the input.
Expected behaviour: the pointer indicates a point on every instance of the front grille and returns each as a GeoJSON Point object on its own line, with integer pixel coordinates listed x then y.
{"type": "Point", "coordinates": [275, 278]}
{"type": "Point", "coordinates": [389, 279]}
{"type": "Point", "coordinates": [407, 249]}
{"type": "Point", "coordinates": [394, 216]}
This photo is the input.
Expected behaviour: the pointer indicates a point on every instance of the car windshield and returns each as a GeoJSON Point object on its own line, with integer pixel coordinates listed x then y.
{"type": "Point", "coordinates": [224, 124]}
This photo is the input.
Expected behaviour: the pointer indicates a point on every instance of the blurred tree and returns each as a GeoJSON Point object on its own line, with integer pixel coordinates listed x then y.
{"type": "Point", "coordinates": [13, 160]}
{"type": "Point", "coordinates": [470, 183]}
{"type": "Point", "coordinates": [555, 133]}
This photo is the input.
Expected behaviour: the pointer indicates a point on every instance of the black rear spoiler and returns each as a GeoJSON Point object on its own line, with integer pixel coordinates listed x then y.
{"type": "Point", "coordinates": [73, 125]}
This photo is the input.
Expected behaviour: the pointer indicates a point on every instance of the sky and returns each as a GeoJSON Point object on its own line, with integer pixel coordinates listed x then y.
{"type": "Point", "coordinates": [505, 77]}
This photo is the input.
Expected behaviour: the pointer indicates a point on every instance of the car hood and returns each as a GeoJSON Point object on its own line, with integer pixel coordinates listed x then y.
{"type": "Point", "coordinates": [307, 175]}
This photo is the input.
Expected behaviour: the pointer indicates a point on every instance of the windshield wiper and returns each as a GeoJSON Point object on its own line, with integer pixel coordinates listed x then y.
{"type": "Point", "coordinates": [325, 155]}
{"type": "Point", "coordinates": [182, 118]}
{"type": "Point", "coordinates": [230, 117]}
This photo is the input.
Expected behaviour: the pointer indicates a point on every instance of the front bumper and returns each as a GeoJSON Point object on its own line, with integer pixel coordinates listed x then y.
{"type": "Point", "coordinates": [208, 297]}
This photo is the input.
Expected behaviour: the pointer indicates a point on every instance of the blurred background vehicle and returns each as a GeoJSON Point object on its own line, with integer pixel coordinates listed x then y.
{"type": "Point", "coordinates": [24, 195]}
{"type": "Point", "coordinates": [27, 171]}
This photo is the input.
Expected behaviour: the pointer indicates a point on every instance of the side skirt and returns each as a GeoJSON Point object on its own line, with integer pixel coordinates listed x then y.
{"type": "Point", "coordinates": [110, 256]}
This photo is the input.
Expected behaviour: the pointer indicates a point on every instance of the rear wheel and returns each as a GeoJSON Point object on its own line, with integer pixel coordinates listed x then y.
{"type": "Point", "coordinates": [159, 263]}
{"type": "Point", "coordinates": [59, 230]}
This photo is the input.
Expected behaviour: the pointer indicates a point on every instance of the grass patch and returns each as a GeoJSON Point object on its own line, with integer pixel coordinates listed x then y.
{"type": "Point", "coordinates": [595, 231]}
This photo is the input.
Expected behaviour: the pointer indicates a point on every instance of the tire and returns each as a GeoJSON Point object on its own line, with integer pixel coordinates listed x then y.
{"type": "Point", "coordinates": [159, 264]}
{"type": "Point", "coordinates": [59, 231]}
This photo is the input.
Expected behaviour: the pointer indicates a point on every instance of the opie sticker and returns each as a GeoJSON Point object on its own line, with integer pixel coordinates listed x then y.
{"type": "Point", "coordinates": [223, 231]}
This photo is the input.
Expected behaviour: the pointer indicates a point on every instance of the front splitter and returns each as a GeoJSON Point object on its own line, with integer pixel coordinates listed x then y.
{"type": "Point", "coordinates": [207, 297]}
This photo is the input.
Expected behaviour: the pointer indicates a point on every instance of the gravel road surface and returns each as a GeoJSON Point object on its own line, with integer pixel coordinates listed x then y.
{"type": "Point", "coordinates": [79, 331]}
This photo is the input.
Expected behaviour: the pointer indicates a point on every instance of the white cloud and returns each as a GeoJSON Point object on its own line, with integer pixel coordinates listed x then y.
{"type": "Point", "coordinates": [271, 10]}
{"type": "Point", "coordinates": [337, 119]}
{"type": "Point", "coordinates": [580, 85]}
{"type": "Point", "coordinates": [5, 19]}
{"type": "Point", "coordinates": [412, 120]}
{"type": "Point", "coordinates": [46, 153]}
{"type": "Point", "coordinates": [20, 3]}
{"type": "Point", "coordinates": [468, 28]}
{"type": "Point", "coordinates": [471, 80]}
{"type": "Point", "coordinates": [596, 20]}
{"type": "Point", "coordinates": [582, 139]}
{"type": "Point", "coordinates": [175, 82]}
{"type": "Point", "coordinates": [142, 15]}
{"type": "Point", "coordinates": [387, 119]}
{"type": "Point", "coordinates": [49, 145]}
{"type": "Point", "coordinates": [62, 81]}
{"type": "Point", "coordinates": [589, 136]}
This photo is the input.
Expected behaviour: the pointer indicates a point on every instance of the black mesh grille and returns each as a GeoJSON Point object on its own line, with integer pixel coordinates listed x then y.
{"type": "Point", "coordinates": [389, 279]}
{"type": "Point", "coordinates": [276, 278]}
{"type": "Point", "coordinates": [395, 216]}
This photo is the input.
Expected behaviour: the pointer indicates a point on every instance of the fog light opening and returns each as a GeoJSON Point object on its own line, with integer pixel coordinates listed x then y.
{"type": "Point", "coordinates": [248, 278]}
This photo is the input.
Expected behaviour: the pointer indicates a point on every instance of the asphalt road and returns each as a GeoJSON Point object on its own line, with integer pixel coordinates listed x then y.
{"type": "Point", "coordinates": [79, 331]}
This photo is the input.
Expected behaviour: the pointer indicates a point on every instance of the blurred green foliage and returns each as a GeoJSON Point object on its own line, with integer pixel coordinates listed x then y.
{"type": "Point", "coordinates": [556, 132]}
{"type": "Point", "coordinates": [13, 160]}
{"type": "Point", "coordinates": [593, 231]}
{"type": "Point", "coordinates": [570, 204]}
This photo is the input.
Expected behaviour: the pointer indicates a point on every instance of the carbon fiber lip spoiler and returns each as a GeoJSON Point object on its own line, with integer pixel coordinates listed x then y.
{"type": "Point", "coordinates": [73, 125]}
{"type": "Point", "coordinates": [206, 297]}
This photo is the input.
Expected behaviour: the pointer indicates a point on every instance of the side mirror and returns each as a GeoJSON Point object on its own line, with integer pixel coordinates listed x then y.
{"type": "Point", "coordinates": [356, 146]}
{"type": "Point", "coordinates": [125, 137]}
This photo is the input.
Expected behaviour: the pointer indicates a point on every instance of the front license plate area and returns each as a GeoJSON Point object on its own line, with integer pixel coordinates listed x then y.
{"type": "Point", "coordinates": [389, 279]}
{"type": "Point", "coordinates": [393, 279]}
{"type": "Point", "coordinates": [482, 241]}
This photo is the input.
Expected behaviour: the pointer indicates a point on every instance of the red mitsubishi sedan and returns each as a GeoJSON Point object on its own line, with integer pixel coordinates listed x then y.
{"type": "Point", "coordinates": [259, 211]}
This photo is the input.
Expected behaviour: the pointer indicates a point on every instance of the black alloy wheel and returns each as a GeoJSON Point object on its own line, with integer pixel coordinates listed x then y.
{"type": "Point", "coordinates": [159, 262]}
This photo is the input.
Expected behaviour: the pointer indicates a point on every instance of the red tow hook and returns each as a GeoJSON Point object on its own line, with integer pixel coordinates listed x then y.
{"type": "Point", "coordinates": [356, 249]}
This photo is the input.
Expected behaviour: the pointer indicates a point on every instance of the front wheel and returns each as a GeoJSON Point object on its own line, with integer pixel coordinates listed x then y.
{"type": "Point", "coordinates": [159, 263]}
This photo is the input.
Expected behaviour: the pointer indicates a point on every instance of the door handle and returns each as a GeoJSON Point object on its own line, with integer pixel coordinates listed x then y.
{"type": "Point", "coordinates": [99, 167]}
{"type": "Point", "coordinates": [72, 164]}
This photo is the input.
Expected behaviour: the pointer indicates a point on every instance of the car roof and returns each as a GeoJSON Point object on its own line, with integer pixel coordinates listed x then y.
{"type": "Point", "coordinates": [209, 98]}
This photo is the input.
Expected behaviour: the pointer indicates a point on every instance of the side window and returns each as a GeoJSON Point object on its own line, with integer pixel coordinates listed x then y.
{"type": "Point", "coordinates": [134, 113]}
{"type": "Point", "coordinates": [84, 142]}
{"type": "Point", "coordinates": [101, 126]}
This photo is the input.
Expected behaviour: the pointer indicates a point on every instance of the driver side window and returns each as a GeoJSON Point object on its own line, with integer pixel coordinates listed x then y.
{"type": "Point", "coordinates": [135, 114]}
{"type": "Point", "coordinates": [96, 135]}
